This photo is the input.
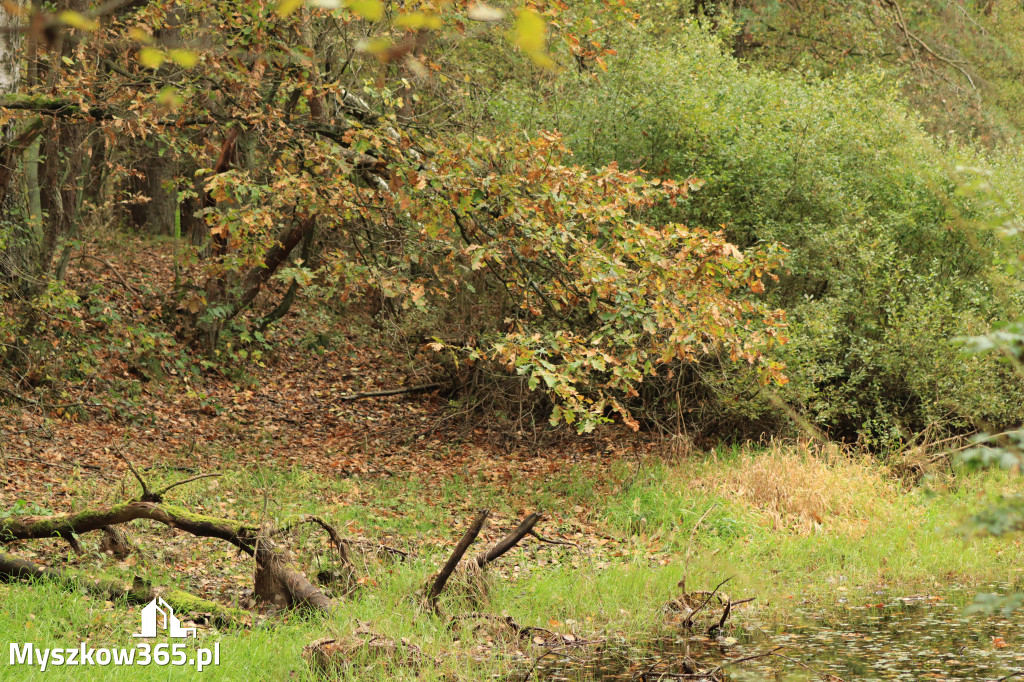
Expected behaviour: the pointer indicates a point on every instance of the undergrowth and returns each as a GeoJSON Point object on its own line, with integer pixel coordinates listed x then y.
{"type": "Point", "coordinates": [788, 524]}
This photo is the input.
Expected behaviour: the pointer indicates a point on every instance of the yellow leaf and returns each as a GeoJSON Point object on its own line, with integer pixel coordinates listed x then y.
{"type": "Point", "coordinates": [371, 10]}
{"type": "Point", "coordinates": [530, 30]}
{"type": "Point", "coordinates": [79, 21]}
{"type": "Point", "coordinates": [530, 36]}
{"type": "Point", "coordinates": [139, 34]}
{"type": "Point", "coordinates": [186, 58]}
{"type": "Point", "coordinates": [286, 7]}
{"type": "Point", "coordinates": [419, 20]}
{"type": "Point", "coordinates": [151, 57]}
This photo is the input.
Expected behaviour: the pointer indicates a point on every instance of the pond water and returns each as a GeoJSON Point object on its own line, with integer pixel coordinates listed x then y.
{"type": "Point", "coordinates": [910, 638]}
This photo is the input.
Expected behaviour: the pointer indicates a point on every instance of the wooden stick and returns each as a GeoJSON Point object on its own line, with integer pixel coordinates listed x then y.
{"type": "Point", "coordinates": [509, 541]}
{"type": "Point", "coordinates": [453, 561]}
{"type": "Point", "coordinates": [387, 392]}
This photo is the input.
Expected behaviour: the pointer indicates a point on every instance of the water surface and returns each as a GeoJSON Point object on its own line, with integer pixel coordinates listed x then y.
{"type": "Point", "coordinates": [911, 638]}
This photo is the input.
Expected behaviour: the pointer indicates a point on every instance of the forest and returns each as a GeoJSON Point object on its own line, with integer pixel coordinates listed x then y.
{"type": "Point", "coordinates": [461, 340]}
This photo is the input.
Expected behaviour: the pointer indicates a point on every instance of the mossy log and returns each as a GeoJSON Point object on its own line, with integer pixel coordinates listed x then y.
{"type": "Point", "coordinates": [300, 591]}
{"type": "Point", "coordinates": [108, 587]}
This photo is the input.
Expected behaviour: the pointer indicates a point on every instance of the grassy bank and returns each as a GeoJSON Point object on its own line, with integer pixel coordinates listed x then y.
{"type": "Point", "coordinates": [786, 524]}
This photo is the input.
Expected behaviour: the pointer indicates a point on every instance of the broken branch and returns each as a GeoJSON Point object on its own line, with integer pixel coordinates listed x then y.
{"type": "Point", "coordinates": [509, 541]}
{"type": "Point", "coordinates": [391, 391]}
{"type": "Point", "coordinates": [453, 561]}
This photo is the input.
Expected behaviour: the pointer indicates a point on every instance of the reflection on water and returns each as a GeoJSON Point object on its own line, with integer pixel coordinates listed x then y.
{"type": "Point", "coordinates": [917, 638]}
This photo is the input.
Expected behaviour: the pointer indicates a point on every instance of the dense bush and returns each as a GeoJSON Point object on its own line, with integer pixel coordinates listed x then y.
{"type": "Point", "coordinates": [884, 265]}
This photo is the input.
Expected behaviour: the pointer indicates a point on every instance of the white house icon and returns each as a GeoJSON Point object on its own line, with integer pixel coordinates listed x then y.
{"type": "Point", "coordinates": [150, 621]}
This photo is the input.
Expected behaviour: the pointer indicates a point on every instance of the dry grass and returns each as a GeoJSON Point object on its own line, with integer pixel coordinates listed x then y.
{"type": "Point", "coordinates": [806, 487]}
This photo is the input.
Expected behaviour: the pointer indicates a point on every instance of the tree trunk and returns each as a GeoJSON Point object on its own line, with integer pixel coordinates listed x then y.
{"type": "Point", "coordinates": [155, 190]}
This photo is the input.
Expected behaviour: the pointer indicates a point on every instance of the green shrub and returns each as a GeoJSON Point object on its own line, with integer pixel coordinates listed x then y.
{"type": "Point", "coordinates": [883, 267]}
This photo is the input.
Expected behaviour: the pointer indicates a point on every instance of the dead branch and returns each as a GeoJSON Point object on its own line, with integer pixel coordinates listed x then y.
{"type": "Point", "coordinates": [382, 548]}
{"type": "Point", "coordinates": [75, 546]}
{"type": "Point", "coordinates": [107, 264]}
{"type": "Point", "coordinates": [688, 623]}
{"type": "Point", "coordinates": [754, 657]}
{"type": "Point", "coordinates": [91, 467]}
{"type": "Point", "coordinates": [509, 541]}
{"type": "Point", "coordinates": [391, 391]}
{"type": "Point", "coordinates": [147, 494]}
{"type": "Point", "coordinates": [336, 539]}
{"type": "Point", "coordinates": [725, 616]}
{"type": "Point", "coordinates": [549, 541]}
{"type": "Point", "coordinates": [139, 592]}
{"type": "Point", "coordinates": [45, 405]}
{"type": "Point", "coordinates": [301, 592]}
{"type": "Point", "coordinates": [460, 550]}
{"type": "Point", "coordinates": [163, 491]}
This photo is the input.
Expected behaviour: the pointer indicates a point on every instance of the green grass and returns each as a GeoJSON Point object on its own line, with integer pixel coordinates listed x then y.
{"type": "Point", "coordinates": [641, 535]}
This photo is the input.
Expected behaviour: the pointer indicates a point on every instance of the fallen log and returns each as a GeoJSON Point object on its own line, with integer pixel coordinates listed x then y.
{"type": "Point", "coordinates": [138, 592]}
{"type": "Point", "coordinates": [300, 591]}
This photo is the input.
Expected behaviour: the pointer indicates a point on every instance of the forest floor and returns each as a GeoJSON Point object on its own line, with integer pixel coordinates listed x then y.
{"type": "Point", "coordinates": [789, 523]}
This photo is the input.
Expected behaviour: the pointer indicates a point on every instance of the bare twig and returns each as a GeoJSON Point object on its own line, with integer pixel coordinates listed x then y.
{"type": "Point", "coordinates": [696, 527]}
{"type": "Point", "coordinates": [549, 541]}
{"type": "Point", "coordinates": [146, 495]}
{"type": "Point", "coordinates": [689, 617]}
{"type": "Point", "coordinates": [336, 538]}
{"type": "Point", "coordinates": [755, 657]}
{"type": "Point", "coordinates": [48, 406]}
{"type": "Point", "coordinates": [1010, 676]}
{"type": "Point", "coordinates": [107, 264]}
{"type": "Point", "coordinates": [158, 496]}
{"type": "Point", "coordinates": [164, 490]}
